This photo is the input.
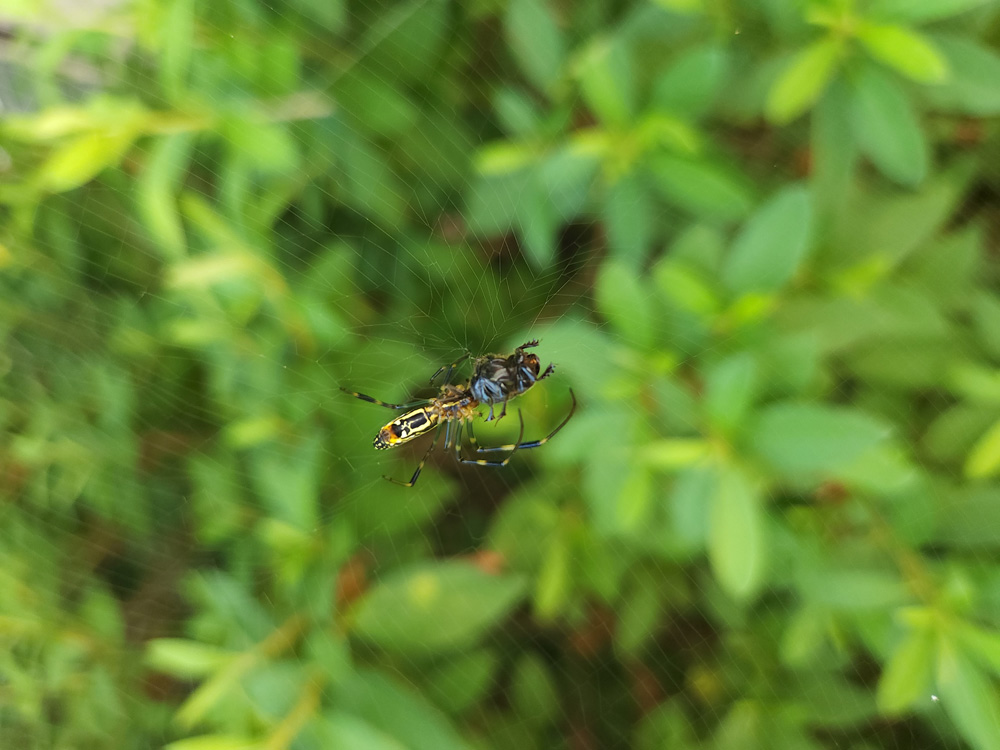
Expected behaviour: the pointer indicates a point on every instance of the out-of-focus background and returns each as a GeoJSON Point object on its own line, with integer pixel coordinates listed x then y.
{"type": "Point", "coordinates": [758, 239]}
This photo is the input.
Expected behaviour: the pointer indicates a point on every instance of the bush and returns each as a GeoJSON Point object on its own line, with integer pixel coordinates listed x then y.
{"type": "Point", "coordinates": [757, 238]}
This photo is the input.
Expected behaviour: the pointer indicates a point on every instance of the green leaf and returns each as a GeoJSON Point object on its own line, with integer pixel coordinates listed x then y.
{"type": "Point", "coordinates": [625, 301]}
{"type": "Point", "coordinates": [267, 147]}
{"type": "Point", "coordinates": [606, 81]}
{"type": "Point", "coordinates": [803, 438]}
{"type": "Point", "coordinates": [685, 288]}
{"type": "Point", "coordinates": [405, 39]}
{"type": "Point", "coordinates": [834, 151]}
{"type": "Point", "coordinates": [947, 267]}
{"type": "Point", "coordinates": [981, 644]}
{"type": "Point", "coordinates": [701, 246]}
{"type": "Point", "coordinates": [536, 41]}
{"type": "Point", "coordinates": [517, 112]}
{"type": "Point", "coordinates": [977, 383]}
{"type": "Point", "coordinates": [967, 516]}
{"type": "Point", "coordinates": [330, 14]}
{"type": "Point", "coordinates": [628, 220]}
{"type": "Point", "coordinates": [287, 480]}
{"type": "Point", "coordinates": [463, 681]}
{"type": "Point", "coordinates": [272, 688]}
{"type": "Point", "coordinates": [700, 187]}
{"type": "Point", "coordinates": [899, 225]}
{"type": "Point", "coordinates": [771, 246]}
{"type": "Point", "coordinates": [689, 505]}
{"type": "Point", "coordinates": [921, 11]}
{"type": "Point", "coordinates": [185, 659]}
{"type": "Point", "coordinates": [640, 611]}
{"type": "Point", "coordinates": [951, 435]}
{"type": "Point", "coordinates": [555, 578]}
{"type": "Point", "coordinates": [985, 312]}
{"type": "Point", "coordinates": [82, 158]}
{"type": "Point", "coordinates": [178, 35]}
{"type": "Point", "coordinates": [496, 200]}
{"type": "Point", "coordinates": [806, 632]}
{"type": "Point", "coordinates": [214, 742]}
{"type": "Point", "coordinates": [736, 537]}
{"type": "Point", "coordinates": [370, 185]}
{"type": "Point", "coordinates": [538, 222]}
{"type": "Point", "coordinates": [984, 459]}
{"type": "Point", "coordinates": [670, 454]}
{"type": "Point", "coordinates": [378, 106]}
{"type": "Point", "coordinates": [971, 88]}
{"type": "Point", "coordinates": [342, 731]}
{"type": "Point", "coordinates": [969, 698]}
{"type": "Point", "coordinates": [904, 50]}
{"type": "Point", "coordinates": [564, 178]}
{"type": "Point", "coordinates": [396, 710]}
{"type": "Point", "coordinates": [907, 676]}
{"type": "Point", "coordinates": [730, 388]}
{"type": "Point", "coordinates": [435, 607]}
{"type": "Point", "coordinates": [690, 86]}
{"type": "Point", "coordinates": [533, 691]}
{"type": "Point", "coordinates": [854, 589]}
{"type": "Point", "coordinates": [887, 128]}
{"type": "Point", "coordinates": [803, 80]}
{"type": "Point", "coordinates": [158, 190]}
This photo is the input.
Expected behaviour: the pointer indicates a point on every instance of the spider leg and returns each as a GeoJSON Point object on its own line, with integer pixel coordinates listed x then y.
{"type": "Point", "coordinates": [533, 443]}
{"type": "Point", "coordinates": [483, 462]}
{"type": "Point", "coordinates": [450, 368]}
{"type": "Point", "coordinates": [548, 371]}
{"type": "Point", "coordinates": [420, 466]}
{"type": "Point", "coordinates": [529, 345]}
{"type": "Point", "coordinates": [397, 407]}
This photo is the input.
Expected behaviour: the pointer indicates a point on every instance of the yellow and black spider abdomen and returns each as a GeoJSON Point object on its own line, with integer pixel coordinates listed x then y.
{"type": "Point", "coordinates": [385, 438]}
{"type": "Point", "coordinates": [404, 429]}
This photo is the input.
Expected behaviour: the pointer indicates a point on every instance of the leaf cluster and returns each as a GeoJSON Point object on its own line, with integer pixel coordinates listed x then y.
{"type": "Point", "coordinates": [757, 238]}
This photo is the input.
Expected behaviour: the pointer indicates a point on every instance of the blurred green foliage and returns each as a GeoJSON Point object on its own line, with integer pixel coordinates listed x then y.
{"type": "Point", "coordinates": [758, 238]}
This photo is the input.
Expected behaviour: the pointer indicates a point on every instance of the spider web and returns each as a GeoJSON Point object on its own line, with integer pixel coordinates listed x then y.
{"type": "Point", "coordinates": [265, 430]}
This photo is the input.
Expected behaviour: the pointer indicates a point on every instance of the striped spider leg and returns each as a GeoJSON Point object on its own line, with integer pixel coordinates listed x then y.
{"type": "Point", "coordinates": [453, 442]}
{"type": "Point", "coordinates": [531, 443]}
{"type": "Point", "coordinates": [449, 370]}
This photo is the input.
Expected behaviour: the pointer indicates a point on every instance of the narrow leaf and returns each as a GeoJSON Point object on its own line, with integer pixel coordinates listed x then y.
{"type": "Point", "coordinates": [908, 674]}
{"type": "Point", "coordinates": [736, 539]}
{"type": "Point", "coordinates": [214, 742]}
{"type": "Point", "coordinates": [691, 85]}
{"type": "Point", "coordinates": [905, 50]}
{"type": "Point", "coordinates": [628, 220]}
{"type": "Point", "coordinates": [397, 710]}
{"type": "Point", "coordinates": [969, 698]}
{"type": "Point", "coordinates": [185, 659]}
{"type": "Point", "coordinates": [922, 11]}
{"type": "Point", "coordinates": [535, 40]}
{"type": "Point", "coordinates": [887, 128]}
{"type": "Point", "coordinates": [803, 80]}
{"type": "Point", "coordinates": [984, 458]}
{"type": "Point", "coordinates": [624, 300]}
{"type": "Point", "coordinates": [435, 607]}
{"type": "Point", "coordinates": [972, 86]}
{"type": "Point", "coordinates": [702, 188]}
{"type": "Point", "coordinates": [802, 438]}
{"type": "Point", "coordinates": [606, 80]}
{"type": "Point", "coordinates": [730, 387]}
{"type": "Point", "coordinates": [770, 248]}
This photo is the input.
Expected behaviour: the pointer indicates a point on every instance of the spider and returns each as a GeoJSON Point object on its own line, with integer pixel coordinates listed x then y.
{"type": "Point", "coordinates": [497, 379]}
{"type": "Point", "coordinates": [455, 407]}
